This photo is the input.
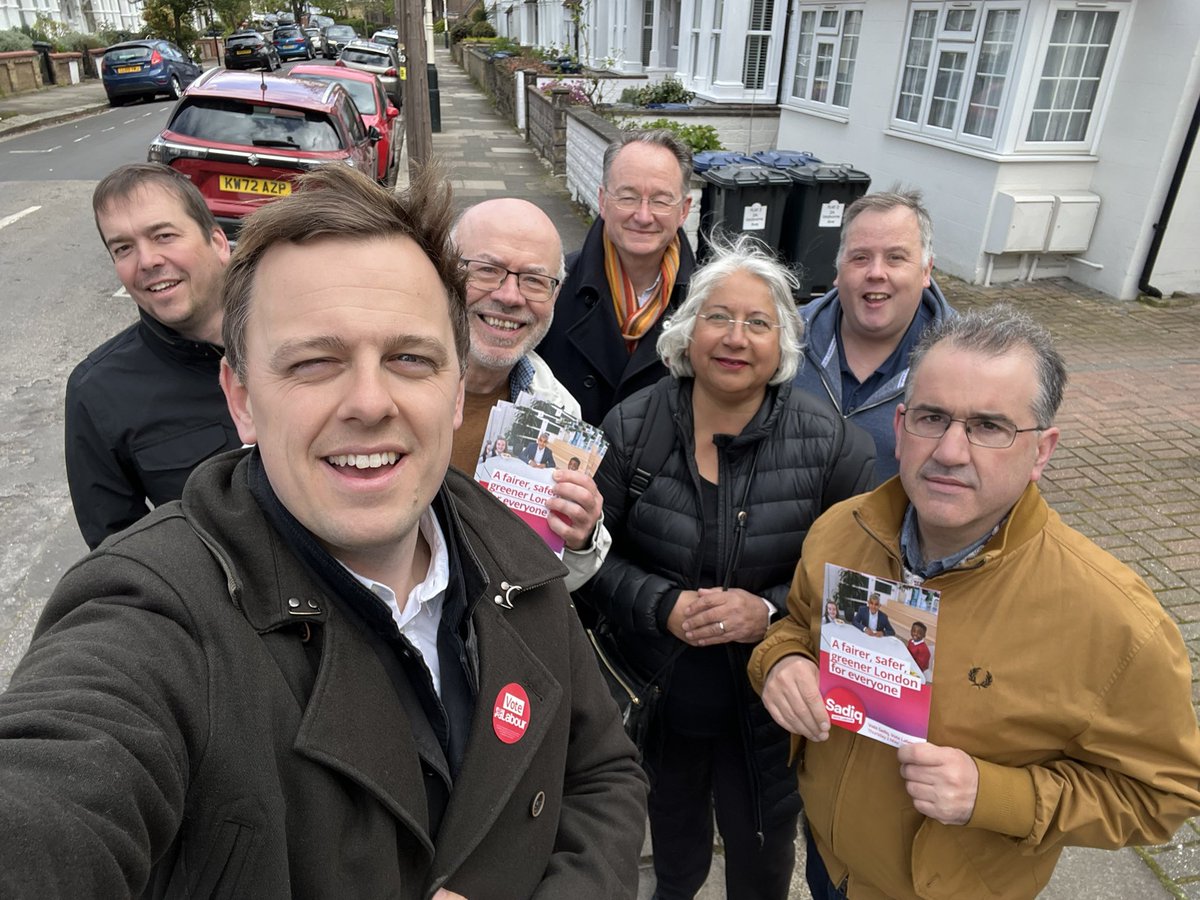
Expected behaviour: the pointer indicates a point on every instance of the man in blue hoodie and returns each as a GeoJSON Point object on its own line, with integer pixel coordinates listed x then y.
{"type": "Point", "coordinates": [859, 335]}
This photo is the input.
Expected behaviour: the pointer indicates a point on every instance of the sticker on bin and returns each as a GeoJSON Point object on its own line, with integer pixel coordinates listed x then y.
{"type": "Point", "coordinates": [754, 217]}
{"type": "Point", "coordinates": [831, 214]}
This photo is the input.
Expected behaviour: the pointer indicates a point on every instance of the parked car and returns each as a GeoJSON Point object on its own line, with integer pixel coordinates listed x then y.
{"type": "Point", "coordinates": [291, 41]}
{"type": "Point", "coordinates": [334, 38]}
{"type": "Point", "coordinates": [314, 37]}
{"type": "Point", "coordinates": [145, 69]}
{"type": "Point", "coordinates": [242, 138]}
{"type": "Point", "coordinates": [379, 59]}
{"type": "Point", "coordinates": [318, 21]}
{"type": "Point", "coordinates": [250, 50]}
{"type": "Point", "coordinates": [366, 90]}
{"type": "Point", "coordinates": [387, 36]}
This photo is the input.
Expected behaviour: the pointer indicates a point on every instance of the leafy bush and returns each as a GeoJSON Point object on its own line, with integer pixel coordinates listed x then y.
{"type": "Point", "coordinates": [439, 27]}
{"type": "Point", "coordinates": [14, 40]}
{"type": "Point", "coordinates": [460, 31]}
{"type": "Point", "coordinates": [483, 30]}
{"type": "Point", "coordinates": [669, 90]}
{"type": "Point", "coordinates": [578, 96]}
{"type": "Point", "coordinates": [698, 137]}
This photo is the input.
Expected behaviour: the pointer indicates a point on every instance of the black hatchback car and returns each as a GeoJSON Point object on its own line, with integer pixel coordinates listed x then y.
{"type": "Point", "coordinates": [146, 69]}
{"type": "Point", "coordinates": [250, 50]}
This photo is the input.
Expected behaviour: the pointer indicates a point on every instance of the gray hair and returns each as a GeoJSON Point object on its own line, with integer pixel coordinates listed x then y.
{"type": "Point", "coordinates": [655, 137]}
{"type": "Point", "coordinates": [993, 332]}
{"type": "Point", "coordinates": [886, 201]}
{"type": "Point", "coordinates": [742, 253]}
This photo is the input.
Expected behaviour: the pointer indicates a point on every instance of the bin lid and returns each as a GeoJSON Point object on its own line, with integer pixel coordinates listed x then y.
{"type": "Point", "coordinates": [709, 159]}
{"type": "Point", "coordinates": [746, 175]}
{"type": "Point", "coordinates": [825, 173]}
{"type": "Point", "coordinates": [782, 158]}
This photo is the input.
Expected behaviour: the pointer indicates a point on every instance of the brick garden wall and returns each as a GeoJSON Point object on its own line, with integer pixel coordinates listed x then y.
{"type": "Point", "coordinates": [20, 70]}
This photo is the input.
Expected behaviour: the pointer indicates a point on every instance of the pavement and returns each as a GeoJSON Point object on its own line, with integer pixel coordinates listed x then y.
{"type": "Point", "coordinates": [1126, 473]}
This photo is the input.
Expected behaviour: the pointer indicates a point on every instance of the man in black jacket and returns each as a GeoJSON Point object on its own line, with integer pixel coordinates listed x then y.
{"type": "Point", "coordinates": [145, 407]}
{"type": "Point", "coordinates": [630, 274]}
{"type": "Point", "coordinates": [334, 669]}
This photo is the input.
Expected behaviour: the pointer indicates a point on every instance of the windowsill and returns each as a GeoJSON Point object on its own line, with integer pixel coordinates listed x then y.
{"type": "Point", "coordinates": [841, 118]}
{"type": "Point", "coordinates": [1073, 156]}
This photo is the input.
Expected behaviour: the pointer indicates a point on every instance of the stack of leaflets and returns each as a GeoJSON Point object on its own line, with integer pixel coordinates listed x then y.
{"type": "Point", "coordinates": [524, 443]}
{"type": "Point", "coordinates": [877, 650]}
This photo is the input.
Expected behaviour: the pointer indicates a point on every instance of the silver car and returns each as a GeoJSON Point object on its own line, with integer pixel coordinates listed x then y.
{"type": "Point", "coordinates": [380, 59]}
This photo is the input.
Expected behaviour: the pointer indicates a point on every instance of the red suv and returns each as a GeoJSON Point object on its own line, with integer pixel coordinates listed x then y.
{"type": "Point", "coordinates": [243, 137]}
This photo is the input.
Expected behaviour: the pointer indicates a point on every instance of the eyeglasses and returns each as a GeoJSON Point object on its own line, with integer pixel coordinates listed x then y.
{"type": "Point", "coordinates": [722, 322]}
{"type": "Point", "coordinates": [488, 276]}
{"type": "Point", "coordinates": [981, 432]}
{"type": "Point", "coordinates": [659, 205]}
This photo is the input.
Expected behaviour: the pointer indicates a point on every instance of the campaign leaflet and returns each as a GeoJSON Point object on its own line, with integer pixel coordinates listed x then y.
{"type": "Point", "coordinates": [522, 446]}
{"type": "Point", "coordinates": [877, 655]}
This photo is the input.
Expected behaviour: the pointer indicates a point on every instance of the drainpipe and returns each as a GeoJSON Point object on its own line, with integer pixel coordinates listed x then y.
{"type": "Point", "coordinates": [1160, 227]}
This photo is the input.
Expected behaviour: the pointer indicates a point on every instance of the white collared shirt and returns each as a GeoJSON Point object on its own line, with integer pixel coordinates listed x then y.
{"type": "Point", "coordinates": [422, 613]}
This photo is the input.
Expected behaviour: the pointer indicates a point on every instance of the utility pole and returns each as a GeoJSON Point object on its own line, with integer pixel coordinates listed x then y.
{"type": "Point", "coordinates": [410, 19]}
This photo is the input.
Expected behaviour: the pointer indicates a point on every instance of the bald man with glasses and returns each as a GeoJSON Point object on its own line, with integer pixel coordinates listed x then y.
{"type": "Point", "coordinates": [514, 262]}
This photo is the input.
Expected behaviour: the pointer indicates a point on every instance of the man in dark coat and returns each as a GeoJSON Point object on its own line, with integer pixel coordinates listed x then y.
{"type": "Point", "coordinates": [334, 669]}
{"type": "Point", "coordinates": [145, 408]}
{"type": "Point", "coordinates": [631, 273]}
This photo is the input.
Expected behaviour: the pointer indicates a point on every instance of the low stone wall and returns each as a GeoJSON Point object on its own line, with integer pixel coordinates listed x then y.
{"type": "Point", "coordinates": [546, 125]}
{"type": "Point", "coordinates": [20, 70]}
{"type": "Point", "coordinates": [478, 65]}
{"type": "Point", "coordinates": [91, 61]}
{"type": "Point", "coordinates": [68, 67]}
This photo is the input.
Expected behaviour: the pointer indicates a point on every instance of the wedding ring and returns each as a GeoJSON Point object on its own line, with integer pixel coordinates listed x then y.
{"type": "Point", "coordinates": [721, 625]}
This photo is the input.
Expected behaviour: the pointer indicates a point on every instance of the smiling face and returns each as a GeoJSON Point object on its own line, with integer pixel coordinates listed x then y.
{"type": "Point", "coordinates": [171, 268]}
{"type": "Point", "coordinates": [644, 171]}
{"type": "Point", "coordinates": [880, 275]}
{"type": "Point", "coordinates": [352, 392]}
{"type": "Point", "coordinates": [731, 361]}
{"type": "Point", "coordinates": [961, 491]}
{"type": "Point", "coordinates": [505, 326]}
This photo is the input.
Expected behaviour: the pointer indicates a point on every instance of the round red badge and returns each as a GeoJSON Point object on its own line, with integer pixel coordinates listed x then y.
{"type": "Point", "coordinates": [845, 709]}
{"type": "Point", "coordinates": [510, 717]}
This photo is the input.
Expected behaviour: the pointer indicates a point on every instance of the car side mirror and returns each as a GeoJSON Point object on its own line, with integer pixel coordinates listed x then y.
{"type": "Point", "coordinates": [374, 135]}
{"type": "Point", "coordinates": [392, 112]}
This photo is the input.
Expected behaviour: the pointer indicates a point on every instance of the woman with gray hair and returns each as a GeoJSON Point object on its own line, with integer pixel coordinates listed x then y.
{"type": "Point", "coordinates": [703, 552]}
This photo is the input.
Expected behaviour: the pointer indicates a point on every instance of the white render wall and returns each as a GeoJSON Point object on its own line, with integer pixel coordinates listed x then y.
{"type": "Point", "coordinates": [1155, 92]}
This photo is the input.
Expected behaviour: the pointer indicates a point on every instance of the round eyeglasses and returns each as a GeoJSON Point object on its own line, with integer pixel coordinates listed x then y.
{"type": "Point", "coordinates": [488, 276]}
{"type": "Point", "coordinates": [981, 431]}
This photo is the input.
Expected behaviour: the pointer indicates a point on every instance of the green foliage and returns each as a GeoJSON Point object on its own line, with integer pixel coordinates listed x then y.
{"type": "Point", "coordinates": [439, 27]}
{"type": "Point", "coordinates": [669, 90]}
{"type": "Point", "coordinates": [698, 137]}
{"type": "Point", "coordinates": [483, 30]}
{"type": "Point", "coordinates": [232, 13]}
{"type": "Point", "coordinates": [109, 36]}
{"type": "Point", "coordinates": [461, 30]}
{"type": "Point", "coordinates": [11, 41]}
{"type": "Point", "coordinates": [172, 20]}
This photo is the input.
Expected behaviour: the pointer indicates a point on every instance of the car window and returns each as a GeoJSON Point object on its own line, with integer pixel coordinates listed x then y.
{"type": "Point", "coordinates": [244, 40]}
{"type": "Point", "coordinates": [364, 57]}
{"type": "Point", "coordinates": [248, 124]}
{"type": "Point", "coordinates": [128, 54]}
{"type": "Point", "coordinates": [362, 93]}
{"type": "Point", "coordinates": [286, 33]}
{"type": "Point", "coordinates": [358, 131]}
{"type": "Point", "coordinates": [340, 31]}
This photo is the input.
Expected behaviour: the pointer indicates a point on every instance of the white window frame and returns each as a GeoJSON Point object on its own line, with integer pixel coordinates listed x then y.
{"type": "Point", "coordinates": [825, 33]}
{"type": "Point", "coordinates": [966, 44]}
{"type": "Point", "coordinates": [1100, 101]}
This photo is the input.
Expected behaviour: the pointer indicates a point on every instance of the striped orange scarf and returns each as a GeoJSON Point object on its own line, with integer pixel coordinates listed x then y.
{"type": "Point", "coordinates": [637, 320]}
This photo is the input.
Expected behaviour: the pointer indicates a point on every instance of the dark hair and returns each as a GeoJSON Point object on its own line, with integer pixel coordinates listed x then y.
{"type": "Point", "coordinates": [995, 331]}
{"type": "Point", "coordinates": [919, 624]}
{"type": "Point", "coordinates": [886, 201]}
{"type": "Point", "coordinates": [339, 202]}
{"type": "Point", "coordinates": [655, 137]}
{"type": "Point", "coordinates": [121, 183]}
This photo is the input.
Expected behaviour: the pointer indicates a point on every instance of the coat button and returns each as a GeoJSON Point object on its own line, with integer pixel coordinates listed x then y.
{"type": "Point", "coordinates": [538, 804]}
{"type": "Point", "coordinates": [590, 381]}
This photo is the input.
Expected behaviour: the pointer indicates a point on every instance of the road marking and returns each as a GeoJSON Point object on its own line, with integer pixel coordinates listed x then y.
{"type": "Point", "coordinates": [78, 139]}
{"type": "Point", "coordinates": [8, 220]}
{"type": "Point", "coordinates": [122, 293]}
{"type": "Point", "coordinates": [47, 150]}
{"type": "Point", "coordinates": [129, 121]}
{"type": "Point", "coordinates": [109, 128]}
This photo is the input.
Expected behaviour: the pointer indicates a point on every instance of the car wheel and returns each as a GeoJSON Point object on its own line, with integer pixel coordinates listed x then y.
{"type": "Point", "coordinates": [116, 101]}
{"type": "Point", "coordinates": [175, 88]}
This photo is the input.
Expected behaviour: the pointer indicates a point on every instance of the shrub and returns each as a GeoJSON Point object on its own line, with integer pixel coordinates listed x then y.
{"type": "Point", "coordinates": [669, 90]}
{"type": "Point", "coordinates": [578, 96]}
{"type": "Point", "coordinates": [698, 137]}
{"type": "Point", "coordinates": [483, 30]}
{"type": "Point", "coordinates": [460, 31]}
{"type": "Point", "coordinates": [439, 27]}
{"type": "Point", "coordinates": [14, 40]}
